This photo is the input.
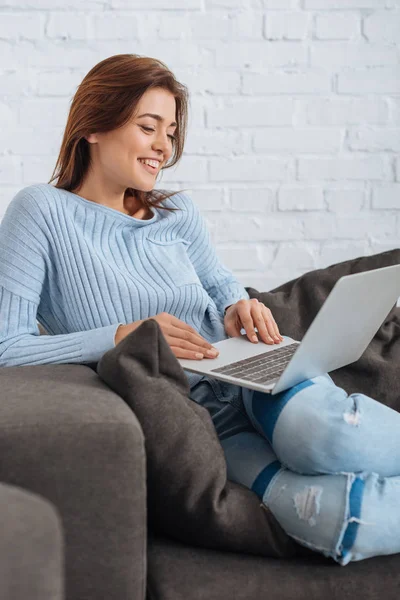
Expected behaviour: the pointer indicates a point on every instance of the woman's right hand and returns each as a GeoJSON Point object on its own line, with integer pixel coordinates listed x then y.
{"type": "Point", "coordinates": [183, 340]}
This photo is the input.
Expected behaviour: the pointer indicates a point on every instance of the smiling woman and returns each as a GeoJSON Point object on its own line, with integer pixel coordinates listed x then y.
{"type": "Point", "coordinates": [127, 123]}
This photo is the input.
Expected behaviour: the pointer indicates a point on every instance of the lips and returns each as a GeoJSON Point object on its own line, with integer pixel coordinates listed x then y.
{"type": "Point", "coordinates": [148, 168]}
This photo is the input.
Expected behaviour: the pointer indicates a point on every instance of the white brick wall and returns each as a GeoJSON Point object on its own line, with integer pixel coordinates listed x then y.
{"type": "Point", "coordinates": [294, 140]}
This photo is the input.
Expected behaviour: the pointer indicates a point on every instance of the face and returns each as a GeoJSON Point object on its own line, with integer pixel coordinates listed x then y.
{"type": "Point", "coordinates": [119, 154]}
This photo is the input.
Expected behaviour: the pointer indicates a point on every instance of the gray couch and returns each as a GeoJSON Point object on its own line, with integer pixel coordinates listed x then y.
{"type": "Point", "coordinates": [79, 451]}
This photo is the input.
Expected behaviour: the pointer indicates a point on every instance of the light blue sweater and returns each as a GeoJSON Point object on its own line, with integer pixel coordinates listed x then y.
{"type": "Point", "coordinates": [81, 269]}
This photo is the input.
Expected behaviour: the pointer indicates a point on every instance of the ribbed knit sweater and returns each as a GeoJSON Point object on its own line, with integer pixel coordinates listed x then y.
{"type": "Point", "coordinates": [81, 269]}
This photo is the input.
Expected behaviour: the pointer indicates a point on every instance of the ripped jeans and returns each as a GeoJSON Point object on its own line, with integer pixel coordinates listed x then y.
{"type": "Point", "coordinates": [326, 464]}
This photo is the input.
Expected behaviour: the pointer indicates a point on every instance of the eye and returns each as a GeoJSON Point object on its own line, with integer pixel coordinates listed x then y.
{"type": "Point", "coordinates": [172, 137]}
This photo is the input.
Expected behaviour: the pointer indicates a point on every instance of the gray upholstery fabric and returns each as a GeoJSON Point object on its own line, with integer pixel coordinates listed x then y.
{"type": "Point", "coordinates": [31, 547]}
{"type": "Point", "coordinates": [178, 572]}
{"type": "Point", "coordinates": [189, 496]}
{"type": "Point", "coordinates": [68, 437]}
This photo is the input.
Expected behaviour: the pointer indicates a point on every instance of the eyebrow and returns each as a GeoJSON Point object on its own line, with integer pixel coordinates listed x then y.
{"type": "Point", "coordinates": [157, 117]}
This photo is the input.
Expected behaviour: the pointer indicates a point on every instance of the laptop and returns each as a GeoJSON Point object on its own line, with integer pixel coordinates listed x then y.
{"type": "Point", "coordinates": [341, 331]}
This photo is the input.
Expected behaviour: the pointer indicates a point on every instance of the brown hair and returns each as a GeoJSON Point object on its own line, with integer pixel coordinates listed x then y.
{"type": "Point", "coordinates": [105, 100]}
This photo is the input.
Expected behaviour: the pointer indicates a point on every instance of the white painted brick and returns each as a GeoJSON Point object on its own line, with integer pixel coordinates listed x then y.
{"type": "Point", "coordinates": [58, 83]}
{"type": "Point", "coordinates": [67, 25]}
{"type": "Point", "coordinates": [279, 4]}
{"type": "Point", "coordinates": [335, 252]}
{"type": "Point", "coordinates": [302, 254]}
{"type": "Point", "coordinates": [44, 112]}
{"type": "Point", "coordinates": [209, 199]}
{"type": "Point", "coordinates": [342, 200]}
{"type": "Point", "coordinates": [209, 26]}
{"type": "Point", "coordinates": [214, 81]}
{"type": "Point", "coordinates": [18, 82]}
{"type": "Point", "coordinates": [281, 139]}
{"type": "Point", "coordinates": [220, 4]}
{"type": "Point", "coordinates": [157, 4]}
{"type": "Point", "coordinates": [397, 168]}
{"type": "Point", "coordinates": [286, 26]}
{"type": "Point", "coordinates": [53, 4]}
{"type": "Point", "coordinates": [10, 170]}
{"type": "Point", "coordinates": [382, 27]}
{"type": "Point", "coordinates": [7, 193]}
{"type": "Point", "coordinates": [364, 225]}
{"type": "Point", "coordinates": [8, 116]}
{"type": "Point", "coordinates": [111, 26]}
{"type": "Point", "coordinates": [379, 80]}
{"type": "Point", "coordinates": [368, 138]}
{"type": "Point", "coordinates": [371, 167]}
{"type": "Point", "coordinates": [337, 110]}
{"type": "Point", "coordinates": [252, 113]}
{"type": "Point", "coordinates": [37, 169]}
{"type": "Point", "coordinates": [248, 169]}
{"type": "Point", "coordinates": [240, 256]}
{"type": "Point", "coordinates": [287, 83]}
{"type": "Point", "coordinates": [21, 26]}
{"type": "Point", "coordinates": [252, 200]}
{"type": "Point", "coordinates": [342, 4]}
{"type": "Point", "coordinates": [386, 196]}
{"type": "Point", "coordinates": [394, 110]}
{"type": "Point", "coordinates": [255, 228]}
{"type": "Point", "coordinates": [341, 26]}
{"type": "Point", "coordinates": [208, 142]}
{"type": "Point", "coordinates": [246, 25]}
{"type": "Point", "coordinates": [356, 54]}
{"type": "Point", "coordinates": [296, 197]}
{"type": "Point", "coordinates": [260, 55]}
{"type": "Point", "coordinates": [49, 54]}
{"type": "Point", "coordinates": [172, 26]}
{"type": "Point", "coordinates": [28, 141]}
{"type": "Point", "coordinates": [378, 246]}
{"type": "Point", "coordinates": [189, 169]}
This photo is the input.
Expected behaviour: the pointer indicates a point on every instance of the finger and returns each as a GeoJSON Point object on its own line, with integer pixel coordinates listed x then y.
{"type": "Point", "coordinates": [191, 341]}
{"type": "Point", "coordinates": [265, 327]}
{"type": "Point", "coordinates": [246, 318]}
{"type": "Point", "coordinates": [188, 332]}
{"type": "Point", "coordinates": [270, 324]}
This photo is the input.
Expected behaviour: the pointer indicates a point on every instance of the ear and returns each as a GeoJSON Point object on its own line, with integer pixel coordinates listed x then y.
{"type": "Point", "coordinates": [91, 138]}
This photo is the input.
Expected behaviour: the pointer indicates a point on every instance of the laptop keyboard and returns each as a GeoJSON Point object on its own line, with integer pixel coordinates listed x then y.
{"type": "Point", "coordinates": [261, 368]}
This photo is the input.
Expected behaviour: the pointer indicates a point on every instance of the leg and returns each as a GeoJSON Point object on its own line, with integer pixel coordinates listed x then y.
{"type": "Point", "coordinates": [347, 517]}
{"type": "Point", "coordinates": [316, 428]}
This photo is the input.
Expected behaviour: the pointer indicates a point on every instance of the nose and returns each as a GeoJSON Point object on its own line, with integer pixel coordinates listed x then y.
{"type": "Point", "coordinates": [161, 144]}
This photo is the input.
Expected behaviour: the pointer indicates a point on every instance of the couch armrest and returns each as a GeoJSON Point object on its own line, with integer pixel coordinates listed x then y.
{"type": "Point", "coordinates": [31, 547]}
{"type": "Point", "coordinates": [67, 437]}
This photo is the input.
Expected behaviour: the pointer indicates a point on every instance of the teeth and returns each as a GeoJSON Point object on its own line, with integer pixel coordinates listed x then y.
{"type": "Point", "coordinates": [152, 163]}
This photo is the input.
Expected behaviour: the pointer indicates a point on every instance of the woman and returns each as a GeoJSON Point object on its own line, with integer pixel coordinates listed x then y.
{"type": "Point", "coordinates": [99, 252]}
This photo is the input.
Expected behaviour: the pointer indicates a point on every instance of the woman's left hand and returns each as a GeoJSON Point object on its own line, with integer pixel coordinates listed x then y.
{"type": "Point", "coordinates": [247, 314]}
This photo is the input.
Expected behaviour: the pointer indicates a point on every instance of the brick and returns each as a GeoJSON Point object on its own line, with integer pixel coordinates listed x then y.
{"type": "Point", "coordinates": [18, 83]}
{"type": "Point", "coordinates": [380, 80]}
{"type": "Point", "coordinates": [214, 81]}
{"type": "Point", "coordinates": [67, 25]}
{"type": "Point", "coordinates": [8, 116]}
{"type": "Point", "coordinates": [157, 4]}
{"type": "Point", "coordinates": [386, 196]}
{"type": "Point", "coordinates": [336, 54]}
{"type": "Point", "coordinates": [279, 4]}
{"type": "Point", "coordinates": [334, 252]}
{"type": "Point", "coordinates": [296, 197]}
{"type": "Point", "coordinates": [371, 167]}
{"type": "Point", "coordinates": [246, 26]}
{"type": "Point", "coordinates": [21, 26]}
{"type": "Point", "coordinates": [52, 4]}
{"type": "Point", "coordinates": [189, 169]}
{"type": "Point", "coordinates": [252, 200]}
{"type": "Point", "coordinates": [209, 199]}
{"type": "Point", "coordinates": [297, 140]}
{"type": "Point", "coordinates": [37, 169]}
{"type": "Point", "coordinates": [43, 112]}
{"type": "Point", "coordinates": [254, 228]}
{"type": "Point", "coordinates": [58, 82]}
{"type": "Point", "coordinates": [394, 110]}
{"type": "Point", "coordinates": [240, 256]}
{"type": "Point", "coordinates": [342, 26]}
{"type": "Point", "coordinates": [286, 83]}
{"type": "Point", "coordinates": [252, 113]}
{"type": "Point", "coordinates": [248, 169]}
{"type": "Point", "coordinates": [372, 139]}
{"type": "Point", "coordinates": [286, 26]}
{"type": "Point", "coordinates": [10, 170]}
{"type": "Point", "coordinates": [26, 141]}
{"type": "Point", "coordinates": [382, 27]}
{"type": "Point", "coordinates": [342, 4]}
{"type": "Point", "coordinates": [363, 226]}
{"type": "Point", "coordinates": [342, 200]}
{"type": "Point", "coordinates": [209, 142]}
{"type": "Point", "coordinates": [261, 55]}
{"type": "Point", "coordinates": [337, 110]}
{"type": "Point", "coordinates": [397, 168]}
{"type": "Point", "coordinates": [301, 254]}
{"type": "Point", "coordinates": [111, 26]}
{"type": "Point", "coordinates": [7, 193]}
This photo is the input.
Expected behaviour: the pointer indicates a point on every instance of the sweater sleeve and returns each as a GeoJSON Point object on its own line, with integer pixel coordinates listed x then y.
{"type": "Point", "coordinates": [24, 259]}
{"type": "Point", "coordinates": [220, 283]}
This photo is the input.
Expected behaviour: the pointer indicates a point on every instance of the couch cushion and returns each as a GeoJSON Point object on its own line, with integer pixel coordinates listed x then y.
{"type": "Point", "coordinates": [179, 572]}
{"type": "Point", "coordinates": [189, 496]}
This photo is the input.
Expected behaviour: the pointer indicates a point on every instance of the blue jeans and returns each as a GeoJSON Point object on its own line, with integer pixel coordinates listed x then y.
{"type": "Point", "coordinates": [326, 464]}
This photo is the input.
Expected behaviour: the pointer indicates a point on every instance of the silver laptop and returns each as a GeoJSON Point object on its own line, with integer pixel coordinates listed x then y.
{"type": "Point", "coordinates": [340, 333]}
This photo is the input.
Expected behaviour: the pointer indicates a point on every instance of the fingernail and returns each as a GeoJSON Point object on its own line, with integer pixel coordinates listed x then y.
{"type": "Point", "coordinates": [212, 352]}
{"type": "Point", "coordinates": [199, 355]}
{"type": "Point", "coordinates": [254, 338]}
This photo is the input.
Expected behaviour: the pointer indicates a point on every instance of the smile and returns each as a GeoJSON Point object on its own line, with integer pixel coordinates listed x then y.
{"type": "Point", "coordinates": [151, 166]}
